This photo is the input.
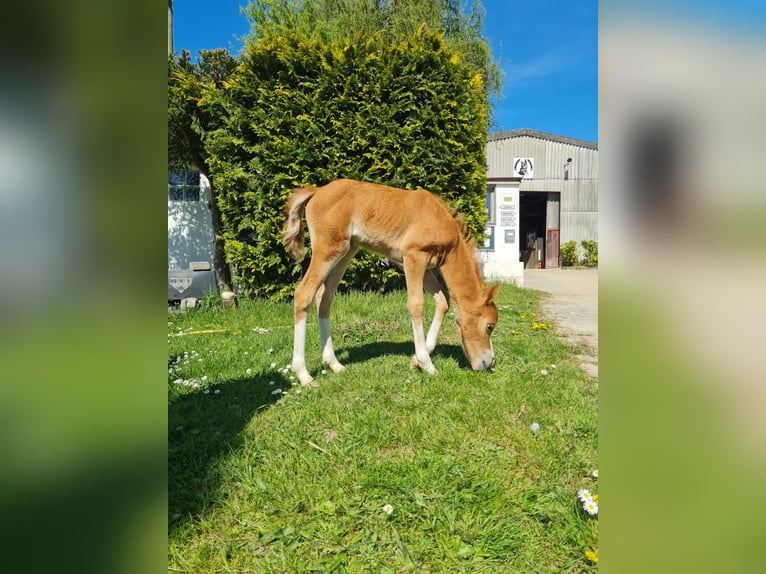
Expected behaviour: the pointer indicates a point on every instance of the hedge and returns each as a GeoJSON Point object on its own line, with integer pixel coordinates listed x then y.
{"type": "Point", "coordinates": [304, 112]}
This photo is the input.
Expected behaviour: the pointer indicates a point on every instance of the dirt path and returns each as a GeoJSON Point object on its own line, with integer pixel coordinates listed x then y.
{"type": "Point", "coordinates": [571, 304]}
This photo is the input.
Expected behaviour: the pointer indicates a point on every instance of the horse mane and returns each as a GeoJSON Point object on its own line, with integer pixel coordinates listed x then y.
{"type": "Point", "coordinates": [468, 239]}
{"type": "Point", "coordinates": [464, 231]}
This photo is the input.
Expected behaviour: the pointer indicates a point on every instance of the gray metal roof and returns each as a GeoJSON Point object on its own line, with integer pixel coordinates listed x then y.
{"type": "Point", "coordinates": [542, 135]}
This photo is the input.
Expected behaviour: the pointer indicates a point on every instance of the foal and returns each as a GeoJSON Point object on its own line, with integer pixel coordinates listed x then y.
{"type": "Point", "coordinates": [415, 230]}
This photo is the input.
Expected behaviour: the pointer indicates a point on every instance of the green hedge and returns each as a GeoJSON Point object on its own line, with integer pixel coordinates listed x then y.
{"type": "Point", "coordinates": [303, 112]}
{"type": "Point", "coordinates": [590, 259]}
{"type": "Point", "coordinates": [569, 254]}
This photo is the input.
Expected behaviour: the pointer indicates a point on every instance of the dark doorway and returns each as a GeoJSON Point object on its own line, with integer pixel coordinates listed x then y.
{"type": "Point", "coordinates": [539, 226]}
{"type": "Point", "coordinates": [532, 207]}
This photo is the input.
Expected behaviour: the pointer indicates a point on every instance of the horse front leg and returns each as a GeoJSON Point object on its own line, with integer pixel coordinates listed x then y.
{"type": "Point", "coordinates": [414, 273]}
{"type": "Point", "coordinates": [441, 299]}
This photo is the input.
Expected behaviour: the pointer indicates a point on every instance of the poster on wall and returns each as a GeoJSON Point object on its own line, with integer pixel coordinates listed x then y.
{"type": "Point", "coordinates": [524, 167]}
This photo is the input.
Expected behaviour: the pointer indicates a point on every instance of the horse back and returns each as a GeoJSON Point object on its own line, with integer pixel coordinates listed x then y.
{"type": "Point", "coordinates": [385, 219]}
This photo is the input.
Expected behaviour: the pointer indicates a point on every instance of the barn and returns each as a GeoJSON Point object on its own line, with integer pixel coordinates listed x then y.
{"type": "Point", "coordinates": [542, 191]}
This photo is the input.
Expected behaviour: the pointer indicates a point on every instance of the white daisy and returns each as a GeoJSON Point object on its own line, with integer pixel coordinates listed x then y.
{"type": "Point", "coordinates": [388, 509]}
{"type": "Point", "coordinates": [590, 506]}
{"type": "Point", "coordinates": [584, 495]}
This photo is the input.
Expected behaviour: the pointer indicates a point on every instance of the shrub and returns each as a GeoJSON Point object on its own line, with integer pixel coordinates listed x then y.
{"type": "Point", "coordinates": [304, 112]}
{"type": "Point", "coordinates": [569, 254]}
{"type": "Point", "coordinates": [590, 259]}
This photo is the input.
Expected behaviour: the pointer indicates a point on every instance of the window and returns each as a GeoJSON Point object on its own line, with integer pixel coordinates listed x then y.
{"type": "Point", "coordinates": [183, 185]}
{"type": "Point", "coordinates": [489, 232]}
{"type": "Point", "coordinates": [489, 239]}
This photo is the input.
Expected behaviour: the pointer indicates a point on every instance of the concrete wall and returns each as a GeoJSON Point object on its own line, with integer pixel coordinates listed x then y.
{"type": "Point", "coordinates": [502, 262]}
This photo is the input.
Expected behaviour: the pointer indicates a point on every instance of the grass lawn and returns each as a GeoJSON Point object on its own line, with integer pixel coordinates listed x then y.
{"type": "Point", "coordinates": [265, 476]}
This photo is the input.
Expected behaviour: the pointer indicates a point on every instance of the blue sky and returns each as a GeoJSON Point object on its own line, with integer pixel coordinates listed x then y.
{"type": "Point", "coordinates": [547, 50]}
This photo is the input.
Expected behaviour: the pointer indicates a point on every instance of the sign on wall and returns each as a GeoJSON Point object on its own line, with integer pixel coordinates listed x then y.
{"type": "Point", "coordinates": [524, 167]}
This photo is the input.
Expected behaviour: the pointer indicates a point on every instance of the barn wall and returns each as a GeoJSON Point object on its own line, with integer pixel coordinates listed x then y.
{"type": "Point", "coordinates": [576, 181]}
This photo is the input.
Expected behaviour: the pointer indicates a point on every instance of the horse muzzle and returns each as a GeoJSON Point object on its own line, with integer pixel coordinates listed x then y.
{"type": "Point", "coordinates": [484, 362]}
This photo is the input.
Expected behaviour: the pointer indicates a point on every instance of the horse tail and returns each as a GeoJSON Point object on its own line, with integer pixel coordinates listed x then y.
{"type": "Point", "coordinates": [292, 236]}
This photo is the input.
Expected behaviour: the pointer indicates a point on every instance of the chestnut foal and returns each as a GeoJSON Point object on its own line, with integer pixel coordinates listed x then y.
{"type": "Point", "coordinates": [415, 230]}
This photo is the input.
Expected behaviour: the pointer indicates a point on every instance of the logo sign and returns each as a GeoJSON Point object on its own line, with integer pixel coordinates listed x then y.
{"type": "Point", "coordinates": [524, 167]}
{"type": "Point", "coordinates": [180, 284]}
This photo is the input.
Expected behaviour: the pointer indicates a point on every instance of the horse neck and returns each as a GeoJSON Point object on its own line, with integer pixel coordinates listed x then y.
{"type": "Point", "coordinates": [461, 273]}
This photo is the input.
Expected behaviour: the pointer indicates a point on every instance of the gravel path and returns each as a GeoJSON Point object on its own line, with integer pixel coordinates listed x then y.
{"type": "Point", "coordinates": [571, 303]}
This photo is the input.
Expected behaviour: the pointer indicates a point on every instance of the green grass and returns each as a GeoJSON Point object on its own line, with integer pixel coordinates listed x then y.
{"type": "Point", "coordinates": [267, 477]}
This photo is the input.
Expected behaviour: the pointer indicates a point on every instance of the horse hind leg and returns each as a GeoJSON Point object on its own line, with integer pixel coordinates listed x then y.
{"type": "Point", "coordinates": [441, 299]}
{"type": "Point", "coordinates": [303, 296]}
{"type": "Point", "coordinates": [319, 269]}
{"type": "Point", "coordinates": [324, 297]}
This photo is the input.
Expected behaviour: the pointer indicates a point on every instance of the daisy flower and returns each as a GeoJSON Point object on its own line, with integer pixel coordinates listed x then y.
{"type": "Point", "coordinates": [584, 495]}
{"type": "Point", "coordinates": [594, 473]}
{"type": "Point", "coordinates": [388, 509]}
{"type": "Point", "coordinates": [590, 506]}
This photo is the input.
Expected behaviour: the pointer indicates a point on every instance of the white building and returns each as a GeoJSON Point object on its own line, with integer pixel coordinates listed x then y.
{"type": "Point", "coordinates": [542, 191]}
{"type": "Point", "coordinates": [190, 236]}
{"type": "Point", "coordinates": [190, 225]}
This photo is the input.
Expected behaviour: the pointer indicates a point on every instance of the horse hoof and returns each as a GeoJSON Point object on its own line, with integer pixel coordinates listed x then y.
{"type": "Point", "coordinates": [309, 383]}
{"type": "Point", "coordinates": [415, 364]}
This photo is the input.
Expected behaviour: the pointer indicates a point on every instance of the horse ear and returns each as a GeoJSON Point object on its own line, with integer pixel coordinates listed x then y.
{"type": "Point", "coordinates": [490, 292]}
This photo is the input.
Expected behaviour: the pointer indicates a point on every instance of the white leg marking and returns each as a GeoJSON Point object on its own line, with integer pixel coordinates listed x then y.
{"type": "Point", "coordinates": [299, 358]}
{"type": "Point", "coordinates": [421, 352]}
{"type": "Point", "coordinates": [328, 354]}
{"type": "Point", "coordinates": [433, 334]}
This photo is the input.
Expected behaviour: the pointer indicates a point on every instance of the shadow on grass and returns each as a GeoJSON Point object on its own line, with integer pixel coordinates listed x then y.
{"type": "Point", "coordinates": [362, 353]}
{"type": "Point", "coordinates": [203, 427]}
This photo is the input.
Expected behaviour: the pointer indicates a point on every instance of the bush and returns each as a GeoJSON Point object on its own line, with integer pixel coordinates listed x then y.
{"type": "Point", "coordinates": [569, 254]}
{"type": "Point", "coordinates": [304, 112]}
{"type": "Point", "coordinates": [590, 259]}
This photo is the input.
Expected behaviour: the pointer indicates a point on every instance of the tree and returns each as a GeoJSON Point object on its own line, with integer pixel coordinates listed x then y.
{"type": "Point", "coordinates": [189, 124]}
{"type": "Point", "coordinates": [401, 20]}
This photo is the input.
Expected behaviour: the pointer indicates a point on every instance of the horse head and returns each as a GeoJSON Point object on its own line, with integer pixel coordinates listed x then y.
{"type": "Point", "coordinates": [475, 324]}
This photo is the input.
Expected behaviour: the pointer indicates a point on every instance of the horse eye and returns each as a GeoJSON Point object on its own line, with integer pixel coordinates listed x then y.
{"type": "Point", "coordinates": [490, 326]}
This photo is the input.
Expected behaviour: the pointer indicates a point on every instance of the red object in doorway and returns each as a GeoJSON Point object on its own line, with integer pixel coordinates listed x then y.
{"type": "Point", "coordinates": [551, 247]}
